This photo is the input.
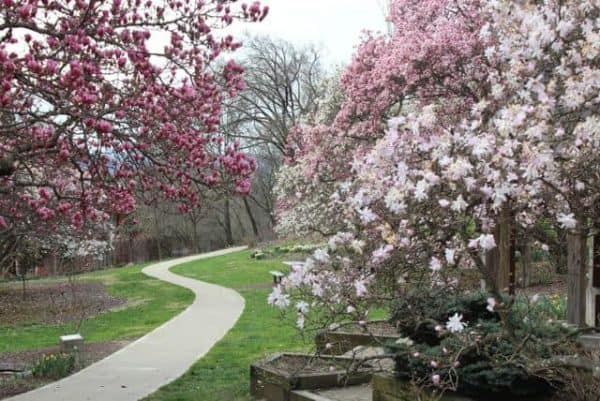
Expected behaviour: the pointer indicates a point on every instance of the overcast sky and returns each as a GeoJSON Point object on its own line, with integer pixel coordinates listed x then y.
{"type": "Point", "coordinates": [335, 25]}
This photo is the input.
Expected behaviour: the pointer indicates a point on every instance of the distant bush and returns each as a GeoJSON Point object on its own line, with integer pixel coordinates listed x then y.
{"type": "Point", "coordinates": [303, 250]}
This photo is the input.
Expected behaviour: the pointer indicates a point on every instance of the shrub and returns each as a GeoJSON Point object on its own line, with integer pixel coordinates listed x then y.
{"type": "Point", "coordinates": [579, 385]}
{"type": "Point", "coordinates": [506, 351]}
{"type": "Point", "coordinates": [259, 254]}
{"type": "Point", "coordinates": [54, 366]}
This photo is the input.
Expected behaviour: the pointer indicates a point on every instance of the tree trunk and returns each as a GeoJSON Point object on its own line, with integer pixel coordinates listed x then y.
{"type": "Point", "coordinates": [526, 260]}
{"type": "Point", "coordinates": [500, 261]}
{"type": "Point", "coordinates": [251, 217]}
{"type": "Point", "coordinates": [576, 279]}
{"type": "Point", "coordinates": [21, 273]}
{"type": "Point", "coordinates": [194, 222]}
{"type": "Point", "coordinates": [54, 264]}
{"type": "Point", "coordinates": [595, 283]}
{"type": "Point", "coordinates": [559, 255]}
{"type": "Point", "coordinates": [512, 249]}
{"type": "Point", "coordinates": [491, 267]}
{"type": "Point", "coordinates": [596, 261]}
{"type": "Point", "coordinates": [227, 222]}
{"type": "Point", "coordinates": [130, 248]}
{"type": "Point", "coordinates": [158, 248]}
{"type": "Point", "coordinates": [157, 234]}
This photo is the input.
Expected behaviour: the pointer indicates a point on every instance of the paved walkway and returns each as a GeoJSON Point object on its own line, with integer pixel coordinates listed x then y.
{"type": "Point", "coordinates": [160, 356]}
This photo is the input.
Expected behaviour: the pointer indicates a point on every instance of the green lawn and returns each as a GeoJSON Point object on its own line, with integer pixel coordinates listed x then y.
{"type": "Point", "coordinates": [150, 303]}
{"type": "Point", "coordinates": [222, 375]}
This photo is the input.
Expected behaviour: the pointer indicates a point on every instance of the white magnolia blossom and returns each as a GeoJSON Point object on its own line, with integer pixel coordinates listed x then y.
{"type": "Point", "coordinates": [484, 241]}
{"type": "Point", "coordinates": [435, 264]}
{"type": "Point", "coordinates": [455, 323]}
{"type": "Point", "coordinates": [302, 307]}
{"type": "Point", "coordinates": [321, 255]}
{"type": "Point", "coordinates": [567, 220]}
{"type": "Point", "coordinates": [381, 254]}
{"type": "Point", "coordinates": [449, 254]}
{"type": "Point", "coordinates": [279, 299]}
{"type": "Point", "coordinates": [361, 288]}
{"type": "Point", "coordinates": [300, 321]}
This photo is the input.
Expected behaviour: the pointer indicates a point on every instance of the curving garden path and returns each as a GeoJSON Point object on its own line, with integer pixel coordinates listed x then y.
{"type": "Point", "coordinates": [161, 355]}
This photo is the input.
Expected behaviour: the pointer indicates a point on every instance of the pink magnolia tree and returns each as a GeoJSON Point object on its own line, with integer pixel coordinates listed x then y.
{"type": "Point", "coordinates": [99, 99]}
{"type": "Point", "coordinates": [434, 52]}
{"type": "Point", "coordinates": [465, 110]}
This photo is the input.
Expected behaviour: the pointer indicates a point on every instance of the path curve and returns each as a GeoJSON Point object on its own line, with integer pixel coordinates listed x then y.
{"type": "Point", "coordinates": [160, 356]}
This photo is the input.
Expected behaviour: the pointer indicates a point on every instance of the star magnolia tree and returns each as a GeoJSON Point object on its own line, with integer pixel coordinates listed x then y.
{"type": "Point", "coordinates": [467, 109]}
{"type": "Point", "coordinates": [99, 99]}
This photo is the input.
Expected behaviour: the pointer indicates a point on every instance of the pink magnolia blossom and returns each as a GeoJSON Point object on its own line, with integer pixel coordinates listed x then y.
{"type": "Point", "coordinates": [93, 114]}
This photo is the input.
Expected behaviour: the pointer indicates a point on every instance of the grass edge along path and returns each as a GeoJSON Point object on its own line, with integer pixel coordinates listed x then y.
{"type": "Point", "coordinates": [150, 303]}
{"type": "Point", "coordinates": [222, 374]}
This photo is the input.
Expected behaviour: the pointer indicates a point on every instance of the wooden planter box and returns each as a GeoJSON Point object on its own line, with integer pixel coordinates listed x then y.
{"type": "Point", "coordinates": [386, 387]}
{"type": "Point", "coordinates": [351, 335]}
{"type": "Point", "coordinates": [274, 378]}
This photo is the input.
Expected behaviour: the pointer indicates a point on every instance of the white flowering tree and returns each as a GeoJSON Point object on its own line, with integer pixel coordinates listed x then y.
{"type": "Point", "coordinates": [471, 121]}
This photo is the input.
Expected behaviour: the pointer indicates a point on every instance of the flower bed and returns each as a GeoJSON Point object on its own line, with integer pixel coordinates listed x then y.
{"type": "Point", "coordinates": [275, 377]}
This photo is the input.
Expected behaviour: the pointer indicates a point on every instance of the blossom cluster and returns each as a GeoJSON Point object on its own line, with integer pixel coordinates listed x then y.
{"type": "Point", "coordinates": [95, 108]}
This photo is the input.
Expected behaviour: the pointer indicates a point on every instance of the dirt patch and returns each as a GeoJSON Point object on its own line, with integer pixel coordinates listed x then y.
{"type": "Point", "coordinates": [558, 286]}
{"type": "Point", "coordinates": [10, 385]}
{"type": "Point", "coordinates": [298, 364]}
{"type": "Point", "coordinates": [376, 329]}
{"type": "Point", "coordinates": [14, 386]}
{"type": "Point", "coordinates": [55, 303]}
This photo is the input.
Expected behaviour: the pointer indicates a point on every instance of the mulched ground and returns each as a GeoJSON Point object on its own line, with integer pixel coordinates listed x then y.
{"type": "Point", "coordinates": [297, 364]}
{"type": "Point", "coordinates": [54, 303]}
{"type": "Point", "coordinates": [373, 328]}
{"type": "Point", "coordinates": [558, 286]}
{"type": "Point", "coordinates": [10, 386]}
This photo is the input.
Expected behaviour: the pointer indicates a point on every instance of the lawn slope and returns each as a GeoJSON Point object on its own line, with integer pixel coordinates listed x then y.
{"type": "Point", "coordinates": [149, 303]}
{"type": "Point", "coordinates": [222, 375]}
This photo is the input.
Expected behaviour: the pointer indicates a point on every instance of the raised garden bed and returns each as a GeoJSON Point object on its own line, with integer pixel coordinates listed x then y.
{"type": "Point", "coordinates": [590, 341]}
{"type": "Point", "coordinates": [274, 378]}
{"type": "Point", "coordinates": [351, 335]}
{"type": "Point", "coordinates": [14, 369]}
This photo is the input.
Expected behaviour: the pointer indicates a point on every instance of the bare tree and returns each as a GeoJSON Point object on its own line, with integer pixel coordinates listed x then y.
{"type": "Point", "coordinates": [282, 85]}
